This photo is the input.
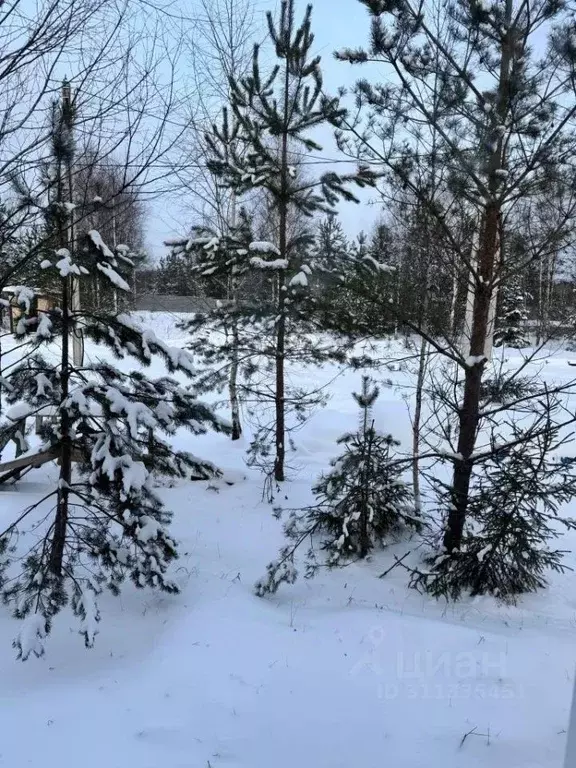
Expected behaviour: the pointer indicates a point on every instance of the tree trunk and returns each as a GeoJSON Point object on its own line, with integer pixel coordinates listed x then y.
{"type": "Point", "coordinates": [280, 397]}
{"type": "Point", "coordinates": [364, 536]}
{"type": "Point", "coordinates": [470, 410]}
{"type": "Point", "coordinates": [280, 393]}
{"type": "Point", "coordinates": [570, 758]}
{"type": "Point", "coordinates": [541, 302]}
{"type": "Point", "coordinates": [453, 300]}
{"type": "Point", "coordinates": [422, 362]}
{"type": "Point", "coordinates": [65, 193]}
{"type": "Point", "coordinates": [469, 415]}
{"type": "Point", "coordinates": [416, 425]}
{"type": "Point", "coordinates": [61, 521]}
{"type": "Point", "coordinates": [233, 384]}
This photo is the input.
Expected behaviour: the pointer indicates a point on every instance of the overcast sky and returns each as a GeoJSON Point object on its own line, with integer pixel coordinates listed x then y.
{"type": "Point", "coordinates": [336, 24]}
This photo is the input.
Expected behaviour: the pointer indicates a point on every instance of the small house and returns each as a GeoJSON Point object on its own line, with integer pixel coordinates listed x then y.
{"type": "Point", "coordinates": [11, 310]}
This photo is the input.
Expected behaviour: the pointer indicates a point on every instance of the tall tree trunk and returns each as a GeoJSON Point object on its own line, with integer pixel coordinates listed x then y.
{"type": "Point", "coordinates": [541, 312]}
{"type": "Point", "coordinates": [233, 384]}
{"type": "Point", "coordinates": [61, 521]}
{"type": "Point", "coordinates": [280, 395]}
{"type": "Point", "coordinates": [1, 351]}
{"type": "Point", "coordinates": [548, 292]}
{"type": "Point", "coordinates": [469, 414]}
{"type": "Point", "coordinates": [64, 194]}
{"type": "Point", "coordinates": [570, 757]}
{"type": "Point", "coordinates": [423, 357]}
{"type": "Point", "coordinates": [422, 364]}
{"type": "Point", "coordinates": [453, 301]}
{"type": "Point", "coordinates": [364, 536]}
{"type": "Point", "coordinates": [280, 360]}
{"type": "Point", "coordinates": [232, 290]}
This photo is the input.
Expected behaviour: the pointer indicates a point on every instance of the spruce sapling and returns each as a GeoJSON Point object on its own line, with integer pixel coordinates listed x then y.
{"type": "Point", "coordinates": [362, 503]}
{"type": "Point", "coordinates": [509, 331]}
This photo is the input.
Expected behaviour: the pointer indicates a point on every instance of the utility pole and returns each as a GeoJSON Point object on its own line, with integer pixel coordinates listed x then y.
{"type": "Point", "coordinates": [77, 339]}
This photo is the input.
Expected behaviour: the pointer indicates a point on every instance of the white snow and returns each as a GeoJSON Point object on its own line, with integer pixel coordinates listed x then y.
{"type": "Point", "coordinates": [276, 264]}
{"type": "Point", "coordinates": [44, 327]}
{"type": "Point", "coordinates": [148, 528]}
{"type": "Point", "coordinates": [136, 413]}
{"type": "Point", "coordinates": [263, 246]}
{"type": "Point", "coordinates": [19, 411]}
{"type": "Point", "coordinates": [340, 671]}
{"type": "Point", "coordinates": [23, 295]}
{"type": "Point", "coordinates": [113, 276]}
{"type": "Point", "coordinates": [179, 358]}
{"type": "Point", "coordinates": [97, 240]}
{"type": "Point", "coordinates": [299, 279]}
{"type": "Point", "coordinates": [89, 627]}
{"type": "Point", "coordinates": [65, 265]}
{"type": "Point", "coordinates": [31, 636]}
{"type": "Point", "coordinates": [379, 266]}
{"type": "Point", "coordinates": [43, 385]}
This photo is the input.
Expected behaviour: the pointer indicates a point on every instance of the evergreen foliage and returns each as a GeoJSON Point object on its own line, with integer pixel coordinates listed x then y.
{"type": "Point", "coordinates": [270, 117]}
{"type": "Point", "coordinates": [116, 527]}
{"type": "Point", "coordinates": [330, 254]}
{"type": "Point", "coordinates": [362, 503]}
{"type": "Point", "coordinates": [515, 512]}
{"type": "Point", "coordinates": [221, 336]}
{"type": "Point", "coordinates": [102, 522]}
{"type": "Point", "coordinates": [509, 331]}
{"type": "Point", "coordinates": [472, 97]}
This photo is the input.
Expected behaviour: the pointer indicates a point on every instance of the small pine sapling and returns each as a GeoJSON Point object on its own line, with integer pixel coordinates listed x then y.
{"type": "Point", "coordinates": [514, 514]}
{"type": "Point", "coordinates": [361, 504]}
{"type": "Point", "coordinates": [219, 263]}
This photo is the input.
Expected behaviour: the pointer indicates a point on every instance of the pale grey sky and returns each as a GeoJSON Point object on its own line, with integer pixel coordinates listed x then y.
{"type": "Point", "coordinates": [336, 24]}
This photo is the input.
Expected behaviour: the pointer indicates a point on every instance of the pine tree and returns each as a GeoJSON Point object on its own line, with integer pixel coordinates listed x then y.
{"type": "Point", "coordinates": [516, 502]}
{"type": "Point", "coordinates": [174, 274]}
{"type": "Point", "coordinates": [509, 331]}
{"type": "Point", "coordinates": [504, 137]}
{"type": "Point", "coordinates": [219, 335]}
{"type": "Point", "coordinates": [331, 251]}
{"type": "Point", "coordinates": [272, 118]}
{"type": "Point", "coordinates": [354, 306]}
{"type": "Point", "coordinates": [103, 522]}
{"type": "Point", "coordinates": [381, 246]}
{"type": "Point", "coordinates": [235, 341]}
{"type": "Point", "coordinates": [360, 504]}
{"type": "Point", "coordinates": [360, 247]}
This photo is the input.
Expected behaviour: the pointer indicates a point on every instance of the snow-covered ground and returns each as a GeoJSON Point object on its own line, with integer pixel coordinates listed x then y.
{"type": "Point", "coordinates": [343, 671]}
